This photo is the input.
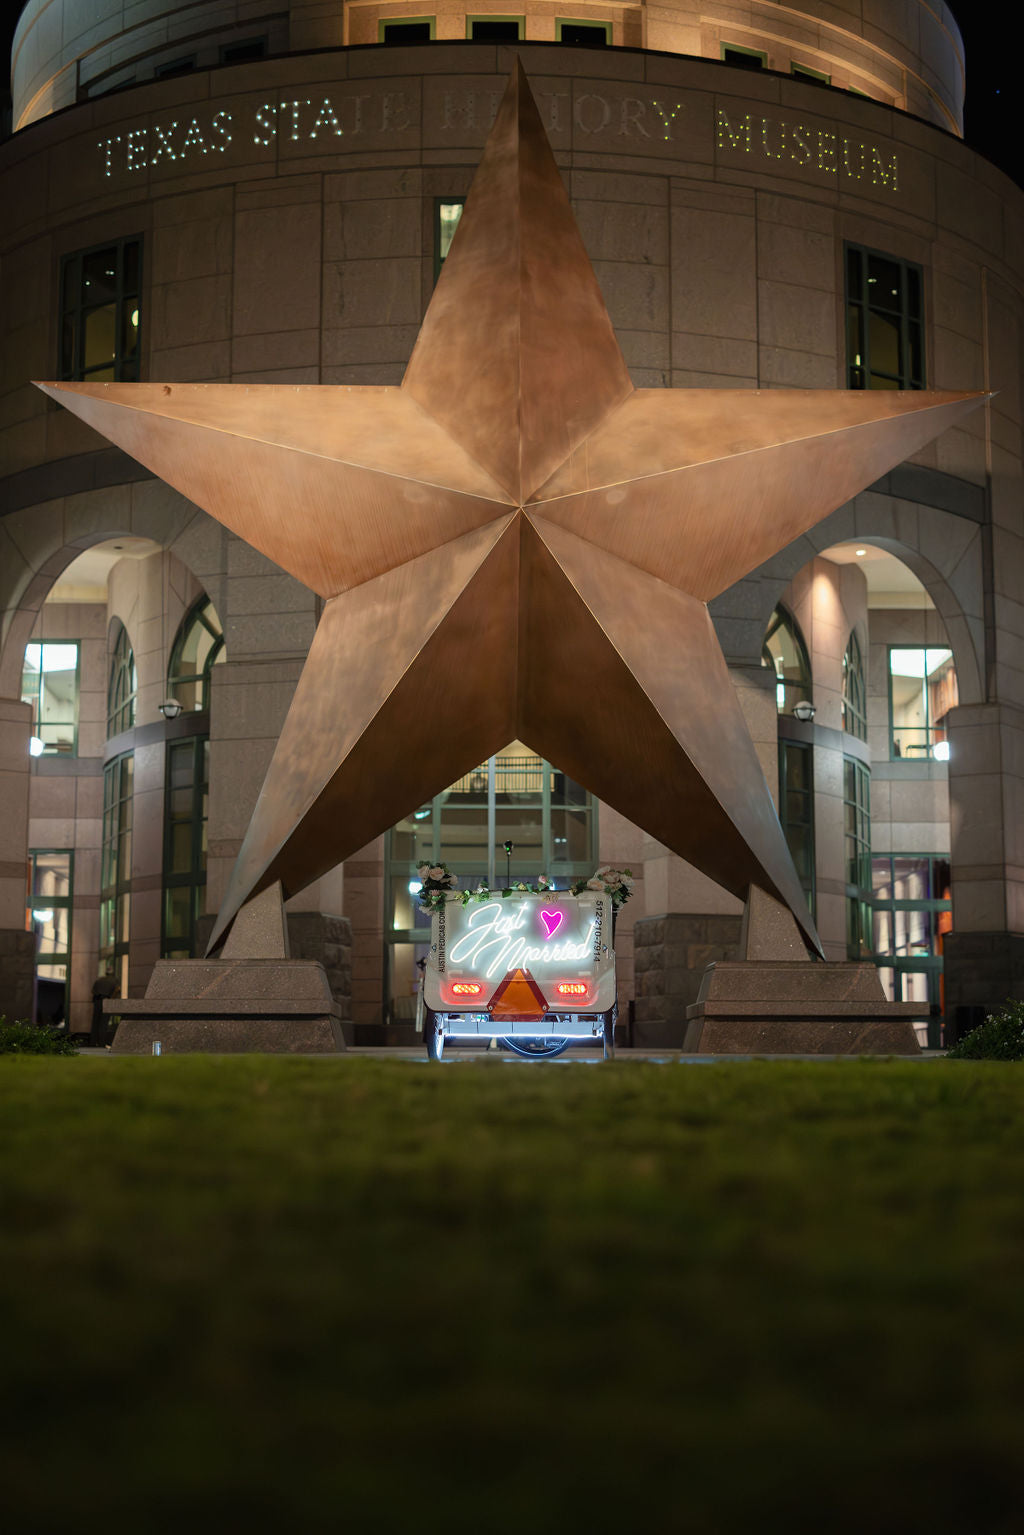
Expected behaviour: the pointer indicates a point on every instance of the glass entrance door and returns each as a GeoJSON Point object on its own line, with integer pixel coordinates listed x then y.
{"type": "Point", "coordinates": [513, 797]}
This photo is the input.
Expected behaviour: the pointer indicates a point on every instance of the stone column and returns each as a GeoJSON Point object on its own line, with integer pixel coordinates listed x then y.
{"type": "Point", "coordinates": [984, 954]}
{"type": "Point", "coordinates": [17, 947]}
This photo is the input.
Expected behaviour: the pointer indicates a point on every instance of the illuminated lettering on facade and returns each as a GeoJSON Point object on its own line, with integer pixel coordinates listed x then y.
{"type": "Point", "coordinates": [497, 940]}
{"type": "Point", "coordinates": [343, 117]}
{"type": "Point", "coordinates": [819, 149]}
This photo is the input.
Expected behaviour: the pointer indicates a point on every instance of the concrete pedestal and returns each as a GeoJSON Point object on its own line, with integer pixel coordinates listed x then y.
{"type": "Point", "coordinates": [17, 972]}
{"type": "Point", "coordinates": [223, 1006]}
{"type": "Point", "coordinates": [798, 1007]}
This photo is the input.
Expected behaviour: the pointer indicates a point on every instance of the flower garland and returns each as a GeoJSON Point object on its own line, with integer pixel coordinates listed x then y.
{"type": "Point", "coordinates": [439, 884]}
{"type": "Point", "coordinates": [616, 883]}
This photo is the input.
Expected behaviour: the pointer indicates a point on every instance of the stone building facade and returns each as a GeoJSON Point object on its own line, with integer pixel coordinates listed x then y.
{"type": "Point", "coordinates": [772, 198]}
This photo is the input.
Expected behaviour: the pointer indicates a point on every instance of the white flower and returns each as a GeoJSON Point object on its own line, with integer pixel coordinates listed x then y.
{"type": "Point", "coordinates": [453, 882]}
{"type": "Point", "coordinates": [435, 872]}
{"type": "Point", "coordinates": [422, 869]}
{"type": "Point", "coordinates": [595, 884]}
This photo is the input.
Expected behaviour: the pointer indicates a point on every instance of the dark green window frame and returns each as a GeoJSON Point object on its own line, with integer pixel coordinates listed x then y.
{"type": "Point", "coordinates": [54, 736]}
{"type": "Point", "coordinates": [243, 52]}
{"type": "Point", "coordinates": [40, 901]}
{"type": "Point", "coordinates": [796, 810]}
{"type": "Point", "coordinates": [805, 72]}
{"type": "Point", "coordinates": [743, 58]}
{"type": "Point", "coordinates": [485, 29]}
{"type": "Point", "coordinates": [184, 65]}
{"type": "Point", "coordinates": [186, 809]}
{"type": "Point", "coordinates": [561, 817]}
{"type": "Point", "coordinates": [855, 690]}
{"type": "Point", "coordinates": [857, 857]}
{"type": "Point", "coordinates": [122, 685]}
{"type": "Point", "coordinates": [582, 26]}
{"type": "Point", "coordinates": [116, 867]}
{"type": "Point", "coordinates": [929, 741]}
{"type": "Point", "coordinates": [113, 273]}
{"type": "Point", "coordinates": [444, 228]}
{"type": "Point", "coordinates": [898, 949]}
{"type": "Point", "coordinates": [188, 684]}
{"type": "Point", "coordinates": [391, 28]}
{"type": "Point", "coordinates": [789, 690]}
{"type": "Point", "coordinates": [884, 320]}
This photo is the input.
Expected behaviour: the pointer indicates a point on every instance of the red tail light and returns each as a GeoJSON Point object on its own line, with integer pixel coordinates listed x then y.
{"type": "Point", "coordinates": [466, 988]}
{"type": "Point", "coordinates": [571, 988]}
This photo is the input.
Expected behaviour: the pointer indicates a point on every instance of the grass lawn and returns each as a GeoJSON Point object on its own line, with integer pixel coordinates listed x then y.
{"type": "Point", "coordinates": [296, 1295]}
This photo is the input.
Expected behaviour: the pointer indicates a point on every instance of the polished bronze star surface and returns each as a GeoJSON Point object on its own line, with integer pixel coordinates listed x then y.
{"type": "Point", "coordinates": [515, 544]}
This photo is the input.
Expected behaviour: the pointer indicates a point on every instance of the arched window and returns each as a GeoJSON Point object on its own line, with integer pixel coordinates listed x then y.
{"type": "Point", "coordinates": [785, 653]}
{"type": "Point", "coordinates": [122, 685]}
{"type": "Point", "coordinates": [198, 646]}
{"type": "Point", "coordinates": [855, 709]}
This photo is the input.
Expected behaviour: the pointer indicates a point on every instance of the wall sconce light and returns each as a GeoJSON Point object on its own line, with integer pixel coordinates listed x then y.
{"type": "Point", "coordinates": [804, 711]}
{"type": "Point", "coordinates": [170, 708]}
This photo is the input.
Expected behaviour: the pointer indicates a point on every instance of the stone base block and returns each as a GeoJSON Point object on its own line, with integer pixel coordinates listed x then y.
{"type": "Point", "coordinates": [981, 971]}
{"type": "Point", "coordinates": [792, 1007]}
{"type": "Point", "coordinates": [280, 1006]}
{"type": "Point", "coordinates": [671, 954]}
{"type": "Point", "coordinates": [17, 972]}
{"type": "Point", "coordinates": [317, 936]}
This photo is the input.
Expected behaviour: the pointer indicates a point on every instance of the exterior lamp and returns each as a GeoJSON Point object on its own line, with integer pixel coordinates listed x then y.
{"type": "Point", "coordinates": [804, 711]}
{"type": "Point", "coordinates": [170, 708]}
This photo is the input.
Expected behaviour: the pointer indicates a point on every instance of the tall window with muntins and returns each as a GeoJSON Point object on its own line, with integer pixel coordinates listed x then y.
{"type": "Point", "coordinates": [122, 685]}
{"type": "Point", "coordinates": [583, 34]}
{"type": "Point", "coordinates": [796, 810]}
{"type": "Point", "coordinates": [447, 213]}
{"type": "Point", "coordinates": [884, 321]}
{"type": "Point", "coordinates": [785, 653]}
{"type": "Point", "coordinates": [855, 692]}
{"type": "Point", "coordinates": [186, 807]}
{"type": "Point", "coordinates": [116, 868]}
{"type": "Point", "coordinates": [495, 29]}
{"type": "Point", "coordinates": [50, 683]}
{"type": "Point", "coordinates": [198, 647]}
{"type": "Point", "coordinates": [50, 892]}
{"type": "Point", "coordinates": [912, 913]}
{"type": "Point", "coordinates": [922, 690]}
{"type": "Point", "coordinates": [100, 300]}
{"type": "Point", "coordinates": [514, 797]}
{"type": "Point", "coordinates": [857, 847]}
{"type": "Point", "coordinates": [406, 29]}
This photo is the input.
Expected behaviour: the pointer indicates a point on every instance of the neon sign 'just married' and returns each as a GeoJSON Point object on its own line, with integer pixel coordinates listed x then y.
{"type": "Point", "coordinates": [497, 940]}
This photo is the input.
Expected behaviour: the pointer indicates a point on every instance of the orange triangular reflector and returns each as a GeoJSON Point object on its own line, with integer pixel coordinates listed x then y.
{"type": "Point", "coordinates": [518, 994]}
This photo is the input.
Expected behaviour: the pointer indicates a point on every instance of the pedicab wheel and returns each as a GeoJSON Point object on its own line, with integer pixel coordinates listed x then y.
{"type": "Point", "coordinates": [611, 1017]}
{"type": "Point", "coordinates": [433, 1033]}
{"type": "Point", "coordinates": [534, 1049]}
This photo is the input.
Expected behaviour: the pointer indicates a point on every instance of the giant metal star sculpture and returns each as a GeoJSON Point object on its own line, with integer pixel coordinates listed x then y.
{"type": "Point", "coordinates": [515, 543]}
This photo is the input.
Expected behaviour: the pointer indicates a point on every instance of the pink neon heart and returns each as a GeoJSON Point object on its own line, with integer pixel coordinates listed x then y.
{"type": "Point", "coordinates": [552, 920]}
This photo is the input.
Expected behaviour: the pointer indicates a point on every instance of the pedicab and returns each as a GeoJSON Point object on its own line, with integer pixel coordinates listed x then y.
{"type": "Point", "coordinates": [530, 967]}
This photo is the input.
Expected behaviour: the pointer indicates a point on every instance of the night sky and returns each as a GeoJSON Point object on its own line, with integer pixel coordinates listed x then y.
{"type": "Point", "coordinates": [990, 124]}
